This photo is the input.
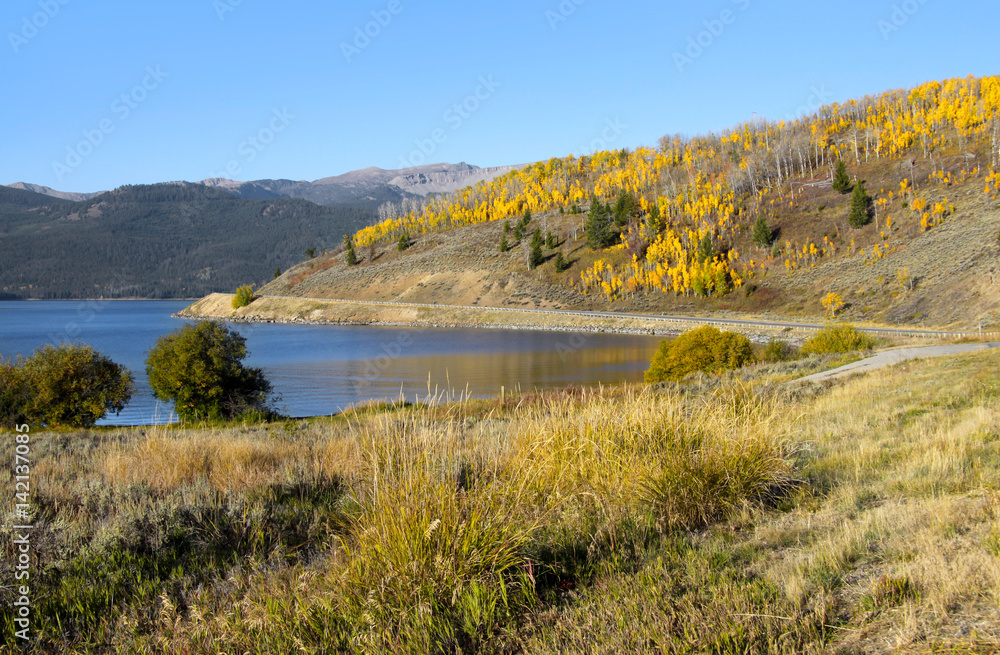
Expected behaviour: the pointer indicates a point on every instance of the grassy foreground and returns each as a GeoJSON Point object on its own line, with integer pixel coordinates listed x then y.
{"type": "Point", "coordinates": [741, 517]}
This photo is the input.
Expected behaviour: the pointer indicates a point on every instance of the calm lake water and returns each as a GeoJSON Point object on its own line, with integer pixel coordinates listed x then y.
{"type": "Point", "coordinates": [320, 369]}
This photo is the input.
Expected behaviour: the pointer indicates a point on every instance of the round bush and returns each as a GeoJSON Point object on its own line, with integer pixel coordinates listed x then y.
{"type": "Point", "coordinates": [839, 338]}
{"type": "Point", "coordinates": [706, 349]}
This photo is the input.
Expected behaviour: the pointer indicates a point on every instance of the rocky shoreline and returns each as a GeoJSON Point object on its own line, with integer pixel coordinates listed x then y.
{"type": "Point", "coordinates": [293, 311]}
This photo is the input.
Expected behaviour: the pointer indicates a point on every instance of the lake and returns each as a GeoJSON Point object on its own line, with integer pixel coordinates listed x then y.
{"type": "Point", "coordinates": [323, 369]}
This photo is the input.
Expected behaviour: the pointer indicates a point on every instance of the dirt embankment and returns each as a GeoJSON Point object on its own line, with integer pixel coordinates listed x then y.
{"type": "Point", "coordinates": [346, 312]}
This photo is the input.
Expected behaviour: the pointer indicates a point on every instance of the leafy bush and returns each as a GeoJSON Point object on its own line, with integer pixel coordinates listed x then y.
{"type": "Point", "coordinates": [66, 385]}
{"type": "Point", "coordinates": [244, 296]}
{"type": "Point", "coordinates": [200, 368]}
{"type": "Point", "coordinates": [838, 338]}
{"type": "Point", "coordinates": [14, 395]}
{"type": "Point", "coordinates": [705, 349]}
{"type": "Point", "coordinates": [777, 350]}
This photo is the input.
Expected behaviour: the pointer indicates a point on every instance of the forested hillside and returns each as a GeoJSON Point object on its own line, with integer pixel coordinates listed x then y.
{"type": "Point", "coordinates": [758, 206]}
{"type": "Point", "coordinates": [160, 241]}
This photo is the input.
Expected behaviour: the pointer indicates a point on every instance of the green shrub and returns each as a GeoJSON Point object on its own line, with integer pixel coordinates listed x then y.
{"type": "Point", "coordinates": [403, 243]}
{"type": "Point", "coordinates": [705, 349]}
{"type": "Point", "coordinates": [200, 368]}
{"type": "Point", "coordinates": [14, 395]}
{"type": "Point", "coordinates": [67, 385]}
{"type": "Point", "coordinates": [244, 296]}
{"type": "Point", "coordinates": [838, 338]}
{"type": "Point", "coordinates": [777, 350]}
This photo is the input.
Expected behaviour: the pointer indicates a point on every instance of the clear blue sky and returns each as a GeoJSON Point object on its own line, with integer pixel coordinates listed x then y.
{"type": "Point", "coordinates": [551, 77]}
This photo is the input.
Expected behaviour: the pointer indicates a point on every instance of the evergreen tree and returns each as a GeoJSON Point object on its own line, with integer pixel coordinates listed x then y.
{"type": "Point", "coordinates": [560, 262]}
{"type": "Point", "coordinates": [860, 206]}
{"type": "Point", "coordinates": [506, 227]}
{"type": "Point", "coordinates": [277, 273]}
{"type": "Point", "coordinates": [841, 180]}
{"type": "Point", "coordinates": [504, 245]}
{"type": "Point", "coordinates": [600, 235]}
{"type": "Point", "coordinates": [550, 241]}
{"type": "Point", "coordinates": [527, 218]}
{"type": "Point", "coordinates": [626, 207]}
{"type": "Point", "coordinates": [706, 248]}
{"type": "Point", "coordinates": [763, 235]}
{"type": "Point", "coordinates": [403, 243]}
{"type": "Point", "coordinates": [352, 257]}
{"type": "Point", "coordinates": [536, 258]}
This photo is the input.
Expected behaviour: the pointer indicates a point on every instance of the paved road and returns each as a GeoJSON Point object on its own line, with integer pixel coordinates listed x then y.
{"type": "Point", "coordinates": [890, 357]}
{"type": "Point", "coordinates": [698, 320]}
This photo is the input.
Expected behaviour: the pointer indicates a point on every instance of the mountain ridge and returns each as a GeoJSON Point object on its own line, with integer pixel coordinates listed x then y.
{"type": "Point", "coordinates": [371, 184]}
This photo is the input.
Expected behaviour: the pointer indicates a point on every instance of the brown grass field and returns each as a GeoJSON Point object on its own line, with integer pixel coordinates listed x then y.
{"type": "Point", "coordinates": [724, 515]}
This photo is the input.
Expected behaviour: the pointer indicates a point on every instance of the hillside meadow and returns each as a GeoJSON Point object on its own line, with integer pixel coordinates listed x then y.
{"type": "Point", "coordinates": [723, 515]}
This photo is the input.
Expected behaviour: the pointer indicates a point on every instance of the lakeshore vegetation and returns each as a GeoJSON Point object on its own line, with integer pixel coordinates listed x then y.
{"type": "Point", "coordinates": [724, 513]}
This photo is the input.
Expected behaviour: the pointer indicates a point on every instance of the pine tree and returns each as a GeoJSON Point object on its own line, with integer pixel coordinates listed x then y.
{"type": "Point", "coordinates": [841, 180]}
{"type": "Point", "coordinates": [352, 257]}
{"type": "Point", "coordinates": [860, 206]}
{"type": "Point", "coordinates": [560, 262]}
{"type": "Point", "coordinates": [550, 241]}
{"type": "Point", "coordinates": [706, 248]}
{"type": "Point", "coordinates": [536, 258]}
{"type": "Point", "coordinates": [504, 245]}
{"type": "Point", "coordinates": [277, 273]}
{"type": "Point", "coordinates": [403, 243]}
{"type": "Point", "coordinates": [763, 235]}
{"type": "Point", "coordinates": [598, 226]}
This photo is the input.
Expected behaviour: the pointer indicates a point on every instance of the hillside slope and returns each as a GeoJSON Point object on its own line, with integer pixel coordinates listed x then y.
{"type": "Point", "coordinates": [161, 241]}
{"type": "Point", "coordinates": [684, 222]}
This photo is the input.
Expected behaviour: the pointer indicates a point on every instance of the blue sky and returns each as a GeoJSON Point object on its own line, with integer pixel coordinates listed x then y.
{"type": "Point", "coordinates": [103, 93]}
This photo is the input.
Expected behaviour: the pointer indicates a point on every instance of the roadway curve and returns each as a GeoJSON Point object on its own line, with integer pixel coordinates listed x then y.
{"type": "Point", "coordinates": [890, 357]}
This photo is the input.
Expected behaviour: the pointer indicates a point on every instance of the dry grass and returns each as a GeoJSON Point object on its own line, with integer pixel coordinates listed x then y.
{"type": "Point", "coordinates": [722, 518]}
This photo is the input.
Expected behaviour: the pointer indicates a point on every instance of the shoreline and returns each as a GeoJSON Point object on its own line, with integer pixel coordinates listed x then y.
{"type": "Point", "coordinates": [303, 311]}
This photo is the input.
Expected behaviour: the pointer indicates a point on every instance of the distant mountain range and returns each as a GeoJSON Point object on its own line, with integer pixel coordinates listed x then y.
{"type": "Point", "coordinates": [183, 239]}
{"type": "Point", "coordinates": [172, 240]}
{"type": "Point", "coordinates": [367, 186]}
